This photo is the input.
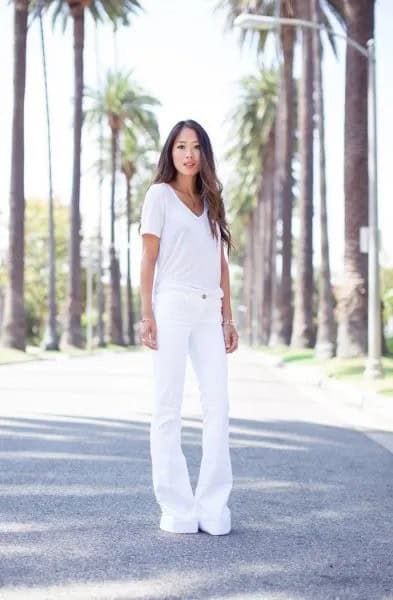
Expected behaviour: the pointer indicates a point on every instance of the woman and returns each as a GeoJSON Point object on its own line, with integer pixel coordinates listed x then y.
{"type": "Point", "coordinates": [186, 309]}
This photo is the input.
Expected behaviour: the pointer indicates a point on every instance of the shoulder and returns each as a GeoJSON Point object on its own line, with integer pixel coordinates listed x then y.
{"type": "Point", "coordinates": [155, 196]}
{"type": "Point", "coordinates": [157, 189]}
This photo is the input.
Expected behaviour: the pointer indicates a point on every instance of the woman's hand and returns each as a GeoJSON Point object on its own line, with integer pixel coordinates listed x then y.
{"type": "Point", "coordinates": [148, 332]}
{"type": "Point", "coordinates": [231, 337]}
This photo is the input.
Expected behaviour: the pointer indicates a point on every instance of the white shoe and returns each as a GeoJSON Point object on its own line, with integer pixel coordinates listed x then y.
{"type": "Point", "coordinates": [175, 525]}
{"type": "Point", "coordinates": [215, 527]}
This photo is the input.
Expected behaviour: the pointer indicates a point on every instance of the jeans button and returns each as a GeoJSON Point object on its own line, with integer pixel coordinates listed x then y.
{"type": "Point", "coordinates": [203, 295]}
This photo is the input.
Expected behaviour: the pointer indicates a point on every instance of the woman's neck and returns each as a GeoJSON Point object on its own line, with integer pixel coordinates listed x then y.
{"type": "Point", "coordinates": [186, 184]}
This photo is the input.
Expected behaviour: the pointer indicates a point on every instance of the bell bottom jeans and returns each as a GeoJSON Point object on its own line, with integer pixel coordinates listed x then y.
{"type": "Point", "coordinates": [189, 322]}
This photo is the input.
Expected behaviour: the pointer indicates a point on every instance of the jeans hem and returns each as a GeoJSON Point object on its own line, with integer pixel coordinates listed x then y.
{"type": "Point", "coordinates": [175, 525]}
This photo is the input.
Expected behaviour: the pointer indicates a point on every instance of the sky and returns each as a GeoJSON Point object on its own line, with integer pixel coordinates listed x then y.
{"type": "Point", "coordinates": [179, 53]}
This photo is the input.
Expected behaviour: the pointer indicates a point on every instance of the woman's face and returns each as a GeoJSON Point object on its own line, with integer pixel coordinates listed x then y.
{"type": "Point", "coordinates": [186, 152]}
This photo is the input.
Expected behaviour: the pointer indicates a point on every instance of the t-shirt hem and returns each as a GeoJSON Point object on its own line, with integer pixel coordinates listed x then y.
{"type": "Point", "coordinates": [157, 233]}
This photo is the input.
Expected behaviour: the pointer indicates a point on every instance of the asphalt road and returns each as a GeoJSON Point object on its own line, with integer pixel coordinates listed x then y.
{"type": "Point", "coordinates": [312, 501]}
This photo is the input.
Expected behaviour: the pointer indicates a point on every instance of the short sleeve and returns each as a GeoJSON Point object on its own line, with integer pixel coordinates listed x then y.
{"type": "Point", "coordinates": [152, 216]}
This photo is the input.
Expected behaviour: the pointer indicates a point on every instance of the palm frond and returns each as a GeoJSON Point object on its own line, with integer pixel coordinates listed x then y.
{"type": "Point", "coordinates": [251, 121]}
{"type": "Point", "coordinates": [116, 11]}
{"type": "Point", "coordinates": [120, 97]}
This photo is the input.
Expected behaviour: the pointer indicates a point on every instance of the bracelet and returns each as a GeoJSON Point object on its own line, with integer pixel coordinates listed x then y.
{"type": "Point", "coordinates": [228, 322]}
{"type": "Point", "coordinates": [145, 319]}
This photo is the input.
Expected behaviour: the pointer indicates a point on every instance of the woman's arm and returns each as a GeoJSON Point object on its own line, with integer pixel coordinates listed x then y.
{"type": "Point", "coordinates": [230, 334]}
{"type": "Point", "coordinates": [225, 286]}
{"type": "Point", "coordinates": [150, 248]}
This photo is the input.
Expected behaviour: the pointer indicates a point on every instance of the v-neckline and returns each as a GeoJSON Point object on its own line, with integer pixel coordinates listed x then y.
{"type": "Point", "coordinates": [185, 205]}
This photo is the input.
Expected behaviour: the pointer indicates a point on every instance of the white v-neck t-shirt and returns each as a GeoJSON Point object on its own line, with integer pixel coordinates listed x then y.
{"type": "Point", "coordinates": [189, 258]}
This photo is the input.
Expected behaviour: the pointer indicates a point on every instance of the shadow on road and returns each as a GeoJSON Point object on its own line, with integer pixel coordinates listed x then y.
{"type": "Point", "coordinates": [311, 509]}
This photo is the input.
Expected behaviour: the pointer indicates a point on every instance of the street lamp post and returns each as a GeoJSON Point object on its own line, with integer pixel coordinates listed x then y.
{"type": "Point", "coordinates": [374, 365]}
{"type": "Point", "coordinates": [248, 21]}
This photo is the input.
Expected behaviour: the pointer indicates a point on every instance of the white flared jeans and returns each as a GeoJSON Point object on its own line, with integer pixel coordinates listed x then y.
{"type": "Point", "coordinates": [189, 323]}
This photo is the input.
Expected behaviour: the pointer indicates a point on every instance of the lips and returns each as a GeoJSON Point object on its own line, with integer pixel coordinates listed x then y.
{"type": "Point", "coordinates": [189, 164]}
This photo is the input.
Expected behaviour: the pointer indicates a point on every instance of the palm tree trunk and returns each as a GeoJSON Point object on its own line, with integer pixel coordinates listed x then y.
{"type": "Point", "coordinates": [257, 271]}
{"type": "Point", "coordinates": [302, 334]}
{"type": "Point", "coordinates": [326, 331]}
{"type": "Point", "coordinates": [253, 298]}
{"type": "Point", "coordinates": [73, 332]}
{"type": "Point", "coordinates": [14, 328]}
{"type": "Point", "coordinates": [116, 319]}
{"type": "Point", "coordinates": [352, 330]}
{"type": "Point", "coordinates": [130, 304]}
{"type": "Point", "coordinates": [51, 338]}
{"type": "Point", "coordinates": [266, 227]}
{"type": "Point", "coordinates": [282, 321]}
{"type": "Point", "coordinates": [260, 258]}
{"type": "Point", "coordinates": [100, 288]}
{"type": "Point", "coordinates": [247, 279]}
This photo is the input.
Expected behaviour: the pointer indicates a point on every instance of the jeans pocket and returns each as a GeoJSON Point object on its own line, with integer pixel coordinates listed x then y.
{"type": "Point", "coordinates": [213, 311]}
{"type": "Point", "coordinates": [173, 306]}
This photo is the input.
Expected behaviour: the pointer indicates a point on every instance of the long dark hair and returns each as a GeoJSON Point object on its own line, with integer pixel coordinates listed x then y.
{"type": "Point", "coordinates": [207, 184]}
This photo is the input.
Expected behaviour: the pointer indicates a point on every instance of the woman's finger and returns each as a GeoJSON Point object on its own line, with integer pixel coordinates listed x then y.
{"type": "Point", "coordinates": [153, 335]}
{"type": "Point", "coordinates": [234, 338]}
{"type": "Point", "coordinates": [149, 336]}
{"type": "Point", "coordinates": [227, 339]}
{"type": "Point", "coordinates": [229, 344]}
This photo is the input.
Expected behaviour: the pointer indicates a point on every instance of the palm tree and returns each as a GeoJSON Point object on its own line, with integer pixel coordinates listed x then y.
{"type": "Point", "coordinates": [352, 330]}
{"type": "Point", "coordinates": [14, 327]}
{"type": "Point", "coordinates": [133, 157]}
{"type": "Point", "coordinates": [75, 9]}
{"type": "Point", "coordinates": [128, 169]}
{"type": "Point", "coordinates": [252, 121]}
{"type": "Point", "coordinates": [100, 287]}
{"type": "Point", "coordinates": [267, 227]}
{"type": "Point", "coordinates": [240, 212]}
{"type": "Point", "coordinates": [302, 332]}
{"type": "Point", "coordinates": [250, 299]}
{"type": "Point", "coordinates": [126, 107]}
{"type": "Point", "coordinates": [51, 338]}
{"type": "Point", "coordinates": [281, 241]}
{"type": "Point", "coordinates": [281, 326]}
{"type": "Point", "coordinates": [326, 326]}
{"type": "Point", "coordinates": [282, 286]}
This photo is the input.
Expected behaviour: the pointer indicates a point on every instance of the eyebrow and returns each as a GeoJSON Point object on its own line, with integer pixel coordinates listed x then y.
{"type": "Point", "coordinates": [184, 142]}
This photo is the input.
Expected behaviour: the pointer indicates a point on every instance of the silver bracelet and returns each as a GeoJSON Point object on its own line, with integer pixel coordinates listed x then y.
{"type": "Point", "coordinates": [228, 322]}
{"type": "Point", "coordinates": [145, 319]}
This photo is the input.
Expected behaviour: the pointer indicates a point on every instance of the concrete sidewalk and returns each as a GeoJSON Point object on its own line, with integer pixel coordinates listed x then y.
{"type": "Point", "coordinates": [349, 394]}
{"type": "Point", "coordinates": [311, 504]}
